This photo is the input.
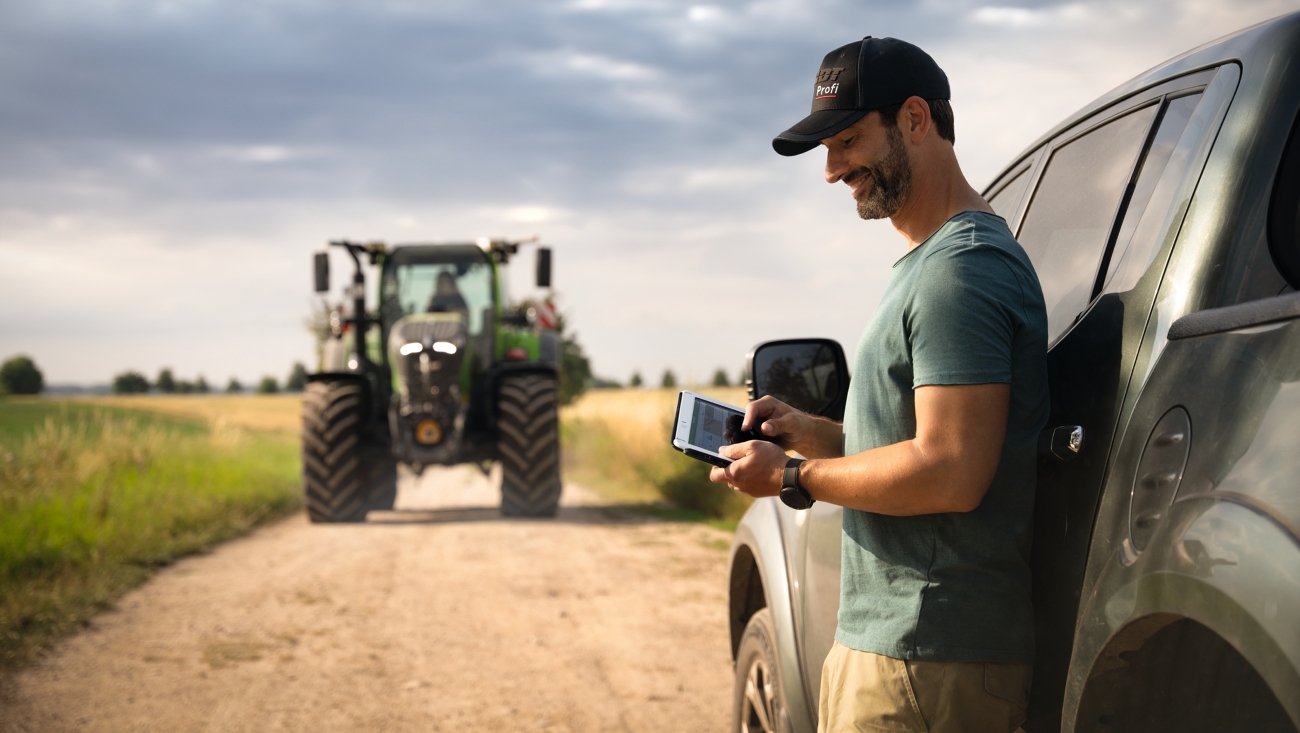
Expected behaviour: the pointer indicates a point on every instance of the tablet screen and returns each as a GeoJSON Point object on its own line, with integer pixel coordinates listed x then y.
{"type": "Point", "coordinates": [713, 426]}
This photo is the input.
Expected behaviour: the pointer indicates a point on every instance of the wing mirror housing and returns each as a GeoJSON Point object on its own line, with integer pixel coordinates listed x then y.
{"type": "Point", "coordinates": [543, 267]}
{"type": "Point", "coordinates": [807, 374]}
{"type": "Point", "coordinates": [322, 268]}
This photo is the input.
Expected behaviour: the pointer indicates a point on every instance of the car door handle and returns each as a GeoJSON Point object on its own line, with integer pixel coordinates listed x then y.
{"type": "Point", "coordinates": [1061, 443]}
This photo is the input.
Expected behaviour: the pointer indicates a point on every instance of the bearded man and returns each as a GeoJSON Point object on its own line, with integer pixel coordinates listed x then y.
{"type": "Point", "coordinates": [935, 461]}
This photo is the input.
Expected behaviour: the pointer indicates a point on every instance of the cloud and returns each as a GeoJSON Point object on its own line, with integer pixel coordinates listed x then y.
{"type": "Point", "coordinates": [705, 13]}
{"type": "Point", "coordinates": [531, 214]}
{"type": "Point", "coordinates": [171, 166]}
{"type": "Point", "coordinates": [258, 154]}
{"type": "Point", "coordinates": [1018, 17]}
{"type": "Point", "coordinates": [568, 61]}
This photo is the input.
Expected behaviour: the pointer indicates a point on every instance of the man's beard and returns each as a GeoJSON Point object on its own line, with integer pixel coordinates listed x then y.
{"type": "Point", "coordinates": [891, 180]}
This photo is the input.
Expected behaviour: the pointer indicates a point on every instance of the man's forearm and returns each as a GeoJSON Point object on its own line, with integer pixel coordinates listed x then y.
{"type": "Point", "coordinates": [824, 439]}
{"type": "Point", "coordinates": [902, 479]}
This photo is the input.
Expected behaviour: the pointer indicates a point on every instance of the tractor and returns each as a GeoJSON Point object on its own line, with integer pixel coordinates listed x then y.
{"type": "Point", "coordinates": [445, 371]}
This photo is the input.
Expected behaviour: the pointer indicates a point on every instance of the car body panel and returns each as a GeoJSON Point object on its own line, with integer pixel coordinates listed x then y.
{"type": "Point", "coordinates": [1233, 523]}
{"type": "Point", "coordinates": [759, 532]}
{"type": "Point", "coordinates": [1090, 367]}
{"type": "Point", "coordinates": [820, 538]}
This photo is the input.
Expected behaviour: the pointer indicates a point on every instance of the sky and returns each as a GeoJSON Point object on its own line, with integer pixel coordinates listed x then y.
{"type": "Point", "coordinates": [168, 168]}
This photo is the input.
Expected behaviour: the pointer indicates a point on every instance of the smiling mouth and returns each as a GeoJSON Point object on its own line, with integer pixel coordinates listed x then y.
{"type": "Point", "coordinates": [857, 181]}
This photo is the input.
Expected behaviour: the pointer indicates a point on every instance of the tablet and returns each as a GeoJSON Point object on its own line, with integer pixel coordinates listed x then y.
{"type": "Point", "coordinates": [704, 425]}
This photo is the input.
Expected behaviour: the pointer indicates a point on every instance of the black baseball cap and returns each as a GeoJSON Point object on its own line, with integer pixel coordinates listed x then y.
{"type": "Point", "coordinates": [858, 78]}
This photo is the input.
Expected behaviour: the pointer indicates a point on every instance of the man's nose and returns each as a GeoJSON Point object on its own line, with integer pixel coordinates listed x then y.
{"type": "Point", "coordinates": [836, 165]}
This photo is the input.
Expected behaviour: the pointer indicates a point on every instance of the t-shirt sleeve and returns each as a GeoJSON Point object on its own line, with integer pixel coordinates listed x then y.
{"type": "Point", "coordinates": [962, 318]}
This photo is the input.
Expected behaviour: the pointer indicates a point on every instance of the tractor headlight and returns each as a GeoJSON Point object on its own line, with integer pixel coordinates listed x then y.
{"type": "Point", "coordinates": [411, 348]}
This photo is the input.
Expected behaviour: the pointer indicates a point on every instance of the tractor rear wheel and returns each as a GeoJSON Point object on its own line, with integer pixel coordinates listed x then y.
{"type": "Point", "coordinates": [529, 445]}
{"type": "Point", "coordinates": [343, 475]}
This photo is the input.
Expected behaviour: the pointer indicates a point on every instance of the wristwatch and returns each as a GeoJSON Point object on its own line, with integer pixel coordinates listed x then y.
{"type": "Point", "coordinates": [794, 495]}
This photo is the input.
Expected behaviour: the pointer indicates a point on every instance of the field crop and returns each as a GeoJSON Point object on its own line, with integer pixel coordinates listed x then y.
{"type": "Point", "coordinates": [278, 412]}
{"type": "Point", "coordinates": [616, 442]}
{"type": "Point", "coordinates": [94, 496]}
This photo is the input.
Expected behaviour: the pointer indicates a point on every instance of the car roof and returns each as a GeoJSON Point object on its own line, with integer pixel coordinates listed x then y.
{"type": "Point", "coordinates": [1244, 46]}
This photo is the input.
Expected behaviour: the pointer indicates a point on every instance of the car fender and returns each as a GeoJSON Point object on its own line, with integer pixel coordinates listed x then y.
{"type": "Point", "coordinates": [1229, 564]}
{"type": "Point", "coordinates": [760, 544]}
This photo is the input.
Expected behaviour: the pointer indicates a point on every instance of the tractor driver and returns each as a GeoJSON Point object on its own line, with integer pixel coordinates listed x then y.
{"type": "Point", "coordinates": [935, 461]}
{"type": "Point", "coordinates": [446, 295]}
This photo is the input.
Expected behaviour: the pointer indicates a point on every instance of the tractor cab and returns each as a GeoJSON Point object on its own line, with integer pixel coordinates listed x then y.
{"type": "Point", "coordinates": [437, 306]}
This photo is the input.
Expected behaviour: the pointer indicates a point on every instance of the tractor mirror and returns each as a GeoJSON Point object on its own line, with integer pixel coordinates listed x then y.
{"type": "Point", "coordinates": [808, 374]}
{"type": "Point", "coordinates": [543, 267]}
{"type": "Point", "coordinates": [322, 262]}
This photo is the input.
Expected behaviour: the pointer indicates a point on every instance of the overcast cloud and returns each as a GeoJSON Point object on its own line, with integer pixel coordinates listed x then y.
{"type": "Point", "coordinates": [168, 167]}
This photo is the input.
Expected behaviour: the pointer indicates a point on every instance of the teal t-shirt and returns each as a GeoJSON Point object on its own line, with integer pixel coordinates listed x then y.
{"type": "Point", "coordinates": [963, 307]}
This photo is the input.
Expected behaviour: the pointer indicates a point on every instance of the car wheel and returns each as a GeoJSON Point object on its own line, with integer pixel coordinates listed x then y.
{"type": "Point", "coordinates": [759, 698]}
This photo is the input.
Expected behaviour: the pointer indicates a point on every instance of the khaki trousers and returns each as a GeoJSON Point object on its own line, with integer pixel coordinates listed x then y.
{"type": "Point", "coordinates": [864, 692]}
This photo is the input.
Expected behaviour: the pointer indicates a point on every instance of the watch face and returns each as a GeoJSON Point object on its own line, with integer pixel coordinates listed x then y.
{"type": "Point", "coordinates": [796, 498]}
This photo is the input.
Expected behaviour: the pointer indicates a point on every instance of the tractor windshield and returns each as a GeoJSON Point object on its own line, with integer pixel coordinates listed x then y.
{"type": "Point", "coordinates": [447, 278]}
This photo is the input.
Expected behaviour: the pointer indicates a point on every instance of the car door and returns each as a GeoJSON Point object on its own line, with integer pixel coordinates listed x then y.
{"type": "Point", "coordinates": [811, 375]}
{"type": "Point", "coordinates": [1098, 209]}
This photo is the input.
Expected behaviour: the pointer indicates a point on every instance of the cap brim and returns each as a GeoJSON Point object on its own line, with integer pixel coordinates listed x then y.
{"type": "Point", "coordinates": [807, 133]}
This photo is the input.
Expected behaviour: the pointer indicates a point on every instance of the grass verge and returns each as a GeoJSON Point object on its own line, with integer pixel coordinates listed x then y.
{"type": "Point", "coordinates": [616, 442]}
{"type": "Point", "coordinates": [93, 498]}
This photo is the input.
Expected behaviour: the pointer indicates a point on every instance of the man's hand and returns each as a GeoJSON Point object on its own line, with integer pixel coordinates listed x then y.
{"type": "Point", "coordinates": [756, 468]}
{"type": "Point", "coordinates": [812, 437]}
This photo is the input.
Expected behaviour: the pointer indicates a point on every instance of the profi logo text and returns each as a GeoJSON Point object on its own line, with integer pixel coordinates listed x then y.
{"type": "Point", "coordinates": [826, 92]}
{"type": "Point", "coordinates": [827, 85]}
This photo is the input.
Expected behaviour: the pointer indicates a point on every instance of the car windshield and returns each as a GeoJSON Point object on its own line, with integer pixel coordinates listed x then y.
{"type": "Point", "coordinates": [437, 279]}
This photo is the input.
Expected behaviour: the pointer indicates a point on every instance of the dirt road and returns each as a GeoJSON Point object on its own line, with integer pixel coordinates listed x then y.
{"type": "Point", "coordinates": [440, 617]}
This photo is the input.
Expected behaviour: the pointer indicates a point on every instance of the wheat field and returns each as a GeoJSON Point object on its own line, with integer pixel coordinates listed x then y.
{"type": "Point", "coordinates": [618, 443]}
{"type": "Point", "coordinates": [278, 412]}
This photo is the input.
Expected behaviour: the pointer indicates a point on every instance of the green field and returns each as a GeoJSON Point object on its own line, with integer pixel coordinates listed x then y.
{"type": "Point", "coordinates": [94, 497]}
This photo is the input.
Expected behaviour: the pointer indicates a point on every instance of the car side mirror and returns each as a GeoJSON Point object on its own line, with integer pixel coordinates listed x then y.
{"type": "Point", "coordinates": [322, 262]}
{"type": "Point", "coordinates": [808, 374]}
{"type": "Point", "coordinates": [543, 267]}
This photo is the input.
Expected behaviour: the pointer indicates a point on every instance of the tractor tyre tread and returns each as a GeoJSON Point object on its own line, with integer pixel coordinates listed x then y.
{"type": "Point", "coordinates": [529, 445]}
{"type": "Point", "coordinates": [343, 476]}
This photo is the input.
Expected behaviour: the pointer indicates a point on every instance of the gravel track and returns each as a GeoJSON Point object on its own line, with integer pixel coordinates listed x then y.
{"type": "Point", "coordinates": [440, 616]}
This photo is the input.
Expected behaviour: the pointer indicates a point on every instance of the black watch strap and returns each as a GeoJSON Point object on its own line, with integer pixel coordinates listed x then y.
{"type": "Point", "coordinates": [793, 494]}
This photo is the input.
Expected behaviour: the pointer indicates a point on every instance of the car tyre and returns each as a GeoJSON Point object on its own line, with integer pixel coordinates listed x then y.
{"type": "Point", "coordinates": [759, 696]}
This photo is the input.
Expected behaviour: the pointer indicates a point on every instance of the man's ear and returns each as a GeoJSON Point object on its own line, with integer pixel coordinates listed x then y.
{"type": "Point", "coordinates": [914, 120]}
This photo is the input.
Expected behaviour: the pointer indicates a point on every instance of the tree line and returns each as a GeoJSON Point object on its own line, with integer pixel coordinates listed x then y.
{"type": "Point", "coordinates": [669, 380]}
{"type": "Point", "coordinates": [133, 382]}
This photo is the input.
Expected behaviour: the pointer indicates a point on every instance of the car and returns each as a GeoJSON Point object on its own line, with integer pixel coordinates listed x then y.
{"type": "Point", "coordinates": [1163, 221]}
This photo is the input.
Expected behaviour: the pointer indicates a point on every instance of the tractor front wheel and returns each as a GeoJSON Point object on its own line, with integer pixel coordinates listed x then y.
{"type": "Point", "coordinates": [343, 475]}
{"type": "Point", "coordinates": [529, 445]}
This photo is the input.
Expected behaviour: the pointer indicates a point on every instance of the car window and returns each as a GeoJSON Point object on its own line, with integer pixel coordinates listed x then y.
{"type": "Point", "coordinates": [1069, 221]}
{"type": "Point", "coordinates": [1161, 175]}
{"type": "Point", "coordinates": [1005, 200]}
{"type": "Point", "coordinates": [1284, 211]}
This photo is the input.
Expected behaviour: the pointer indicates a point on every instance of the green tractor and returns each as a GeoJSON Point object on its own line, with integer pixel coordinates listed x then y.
{"type": "Point", "coordinates": [446, 371]}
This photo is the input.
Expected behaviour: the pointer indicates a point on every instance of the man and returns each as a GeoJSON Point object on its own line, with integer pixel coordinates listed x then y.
{"type": "Point", "coordinates": [446, 296]}
{"type": "Point", "coordinates": [935, 462]}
